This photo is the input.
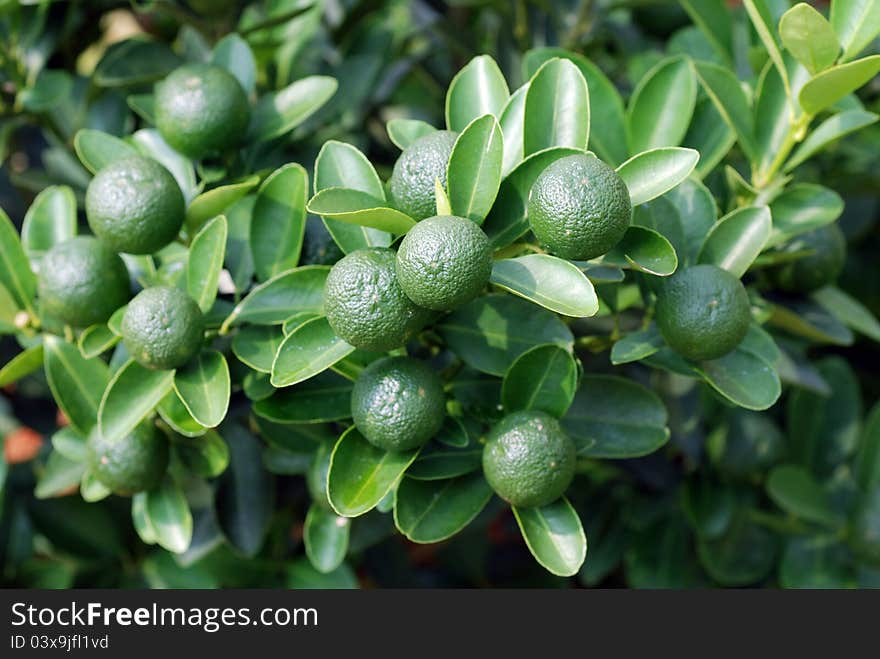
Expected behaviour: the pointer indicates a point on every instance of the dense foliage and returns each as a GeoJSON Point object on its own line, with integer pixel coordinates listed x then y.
{"type": "Point", "coordinates": [746, 138]}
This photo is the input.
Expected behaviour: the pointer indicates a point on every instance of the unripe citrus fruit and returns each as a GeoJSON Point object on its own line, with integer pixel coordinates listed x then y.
{"type": "Point", "coordinates": [162, 327]}
{"type": "Point", "coordinates": [821, 267]}
{"type": "Point", "coordinates": [413, 179]}
{"type": "Point", "coordinates": [132, 464]}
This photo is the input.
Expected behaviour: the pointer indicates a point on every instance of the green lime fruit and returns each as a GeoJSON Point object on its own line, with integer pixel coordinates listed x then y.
{"type": "Point", "coordinates": [444, 262]}
{"type": "Point", "coordinates": [579, 207]}
{"type": "Point", "coordinates": [135, 463]}
{"type": "Point", "coordinates": [135, 206]}
{"type": "Point", "coordinates": [201, 110]}
{"type": "Point", "coordinates": [82, 282]}
{"type": "Point", "coordinates": [162, 328]}
{"type": "Point", "coordinates": [365, 304]}
{"type": "Point", "coordinates": [398, 404]}
{"type": "Point", "coordinates": [702, 312]}
{"type": "Point", "coordinates": [817, 269]}
{"type": "Point", "coordinates": [528, 459]}
{"type": "Point", "coordinates": [412, 183]}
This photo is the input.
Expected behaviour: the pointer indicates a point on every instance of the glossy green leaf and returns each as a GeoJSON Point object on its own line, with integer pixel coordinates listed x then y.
{"type": "Point", "coordinates": [554, 535]}
{"type": "Point", "coordinates": [96, 340]}
{"type": "Point", "coordinates": [856, 23]}
{"type": "Point", "coordinates": [233, 54]}
{"type": "Point", "coordinates": [474, 171]}
{"type": "Point", "coordinates": [557, 108]}
{"type": "Point", "coordinates": [97, 149]}
{"type": "Point", "coordinates": [800, 208]}
{"type": "Point", "coordinates": [287, 293]}
{"type": "Point", "coordinates": [143, 105]}
{"type": "Point", "coordinates": [439, 461]}
{"type": "Point", "coordinates": [478, 89]}
{"type": "Point", "coordinates": [714, 20]}
{"type": "Point", "coordinates": [51, 219]}
{"type": "Point", "coordinates": [204, 388]}
{"type": "Point", "coordinates": [257, 345]}
{"type": "Point", "coordinates": [547, 280]}
{"type": "Point", "coordinates": [24, 363]}
{"type": "Point", "coordinates": [205, 261]}
{"type": "Point", "coordinates": [325, 535]}
{"type": "Point", "coordinates": [726, 92]}
{"type": "Point", "coordinates": [91, 489]}
{"type": "Point", "coordinates": [543, 378]}
{"type": "Point", "coordinates": [130, 396]}
{"type": "Point", "coordinates": [808, 36]}
{"type": "Point", "coordinates": [867, 462]}
{"type": "Point", "coordinates": [645, 250]}
{"type": "Point", "coordinates": [77, 383]}
{"type": "Point", "coordinates": [356, 207]}
{"type": "Point", "coordinates": [737, 239]}
{"type": "Point", "coordinates": [206, 456]}
{"type": "Point", "coordinates": [512, 123]}
{"type": "Point", "coordinates": [8, 312]}
{"type": "Point", "coordinates": [763, 22]}
{"type": "Point", "coordinates": [15, 271]}
{"type": "Point", "coordinates": [744, 555]}
{"type": "Point", "coordinates": [613, 417]}
{"type": "Point", "coordinates": [49, 90]}
{"type": "Point", "coordinates": [661, 106]}
{"type": "Point", "coordinates": [309, 350]}
{"type": "Point", "coordinates": [279, 220]}
{"type": "Point", "coordinates": [833, 128]}
{"type": "Point", "coordinates": [794, 489]}
{"type": "Point", "coordinates": [453, 433]}
{"type": "Point", "coordinates": [175, 414]}
{"type": "Point", "coordinates": [296, 320]}
{"type": "Point", "coordinates": [216, 200]}
{"type": "Point", "coordinates": [324, 398]}
{"type": "Point", "coordinates": [833, 84]}
{"type": "Point", "coordinates": [815, 562]}
{"type": "Point", "coordinates": [301, 575]}
{"type": "Point", "coordinates": [432, 511]}
{"type": "Point", "coordinates": [807, 319]}
{"type": "Point", "coordinates": [403, 132]}
{"type": "Point", "coordinates": [848, 310]}
{"type": "Point", "coordinates": [278, 113]}
{"type": "Point", "coordinates": [490, 332]}
{"type": "Point", "coordinates": [652, 173]}
{"type": "Point", "coordinates": [744, 378]}
{"type": "Point", "coordinates": [636, 345]}
{"type": "Point", "coordinates": [169, 516]}
{"type": "Point", "coordinates": [134, 62]}
{"type": "Point", "coordinates": [59, 476]}
{"type": "Point", "coordinates": [151, 144]}
{"type": "Point", "coordinates": [361, 475]}
{"type": "Point", "coordinates": [69, 443]}
{"type": "Point", "coordinates": [710, 136]}
{"type": "Point", "coordinates": [697, 212]}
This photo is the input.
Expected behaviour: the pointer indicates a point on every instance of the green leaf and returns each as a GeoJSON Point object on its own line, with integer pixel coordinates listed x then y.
{"type": "Point", "coordinates": [736, 239]}
{"type": "Point", "coordinates": [443, 206]}
{"type": "Point", "coordinates": [151, 144]}
{"type": "Point", "coordinates": [507, 220]}
{"type": "Point", "coordinates": [282, 296]}
{"type": "Point", "coordinates": [361, 475]}
{"type": "Point", "coordinates": [356, 207]}
{"type": "Point", "coordinates": [867, 461]}
{"type": "Point", "coordinates": [835, 83]}
{"type": "Point", "coordinates": [856, 23]}
{"type": "Point", "coordinates": [143, 105]}
{"type": "Point", "coordinates": [490, 332]}
{"type": "Point", "coordinates": [233, 54]}
{"type": "Point", "coordinates": [808, 320]}
{"type": "Point", "coordinates": [800, 208]}
{"type": "Point", "coordinates": [453, 433]}
{"type": "Point", "coordinates": [815, 562]}
{"type": "Point", "coordinates": [848, 310]}
{"type": "Point", "coordinates": [24, 363]}
{"type": "Point", "coordinates": [59, 475]}
{"type": "Point", "coordinates": [96, 340]}
{"type": "Point", "coordinates": [652, 173]}
{"type": "Point", "coordinates": [828, 131]}
{"type": "Point", "coordinates": [69, 443]}
{"type": "Point", "coordinates": [557, 108]}
{"type": "Point", "coordinates": [302, 575]}
{"type": "Point", "coordinates": [478, 89]}
{"type": "Point", "coordinates": [279, 220]}
{"type": "Point", "coordinates": [77, 383]}
{"type": "Point", "coordinates": [809, 37]}
{"type": "Point", "coordinates": [662, 105]}
{"type": "Point", "coordinates": [206, 456]}
{"type": "Point", "coordinates": [794, 489]}
{"type": "Point", "coordinates": [645, 250]}
{"type": "Point", "coordinates": [403, 132]}
{"type": "Point", "coordinates": [8, 312]}
{"type": "Point", "coordinates": [203, 386]}
{"type": "Point", "coordinates": [205, 261]}
{"type": "Point", "coordinates": [726, 92]}
{"type": "Point", "coordinates": [130, 396]}
{"type": "Point", "coordinates": [50, 90]}
{"type": "Point", "coordinates": [169, 517]}
{"type": "Point", "coordinates": [543, 378]}
{"type": "Point", "coordinates": [278, 113]}
{"type": "Point", "coordinates": [213, 202]}
{"type": "Point", "coordinates": [257, 345]}
{"type": "Point", "coordinates": [15, 271]}
{"type": "Point", "coordinates": [134, 62]}
{"type": "Point", "coordinates": [174, 413]}
{"type": "Point", "coordinates": [554, 535]}
{"type": "Point", "coordinates": [512, 123]}
{"type": "Point", "coordinates": [613, 417]}
{"type": "Point", "coordinates": [341, 165]}
{"type": "Point", "coordinates": [697, 213]}
{"type": "Point", "coordinates": [636, 345]}
{"type": "Point", "coordinates": [745, 554]}
{"type": "Point", "coordinates": [51, 219]}
{"type": "Point", "coordinates": [714, 20]}
{"type": "Point", "coordinates": [440, 462]}
{"type": "Point", "coordinates": [322, 399]}
{"type": "Point", "coordinates": [744, 378]}
{"type": "Point", "coordinates": [762, 20]}
{"type": "Point", "coordinates": [91, 489]}
{"type": "Point", "coordinates": [709, 135]}
{"type": "Point", "coordinates": [325, 536]}
{"type": "Point", "coordinates": [474, 171]}
{"type": "Point", "coordinates": [310, 349]}
{"type": "Point", "coordinates": [432, 511]}
{"type": "Point", "coordinates": [97, 149]}
{"type": "Point", "coordinates": [547, 280]}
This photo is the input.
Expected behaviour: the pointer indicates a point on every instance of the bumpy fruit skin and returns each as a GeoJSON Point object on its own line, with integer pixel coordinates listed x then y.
{"type": "Point", "coordinates": [365, 305]}
{"type": "Point", "coordinates": [528, 459]}
{"type": "Point", "coordinates": [201, 110]}
{"type": "Point", "coordinates": [162, 328]}
{"type": "Point", "coordinates": [579, 207]}
{"type": "Point", "coordinates": [421, 163]}
{"type": "Point", "coordinates": [82, 282]}
{"type": "Point", "coordinates": [132, 464]}
{"type": "Point", "coordinates": [398, 404]}
{"type": "Point", "coordinates": [135, 206]}
{"type": "Point", "coordinates": [816, 270]}
{"type": "Point", "coordinates": [702, 312]}
{"type": "Point", "coordinates": [444, 262]}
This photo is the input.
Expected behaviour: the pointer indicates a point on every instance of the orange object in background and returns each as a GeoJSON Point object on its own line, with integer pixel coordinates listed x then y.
{"type": "Point", "coordinates": [22, 445]}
